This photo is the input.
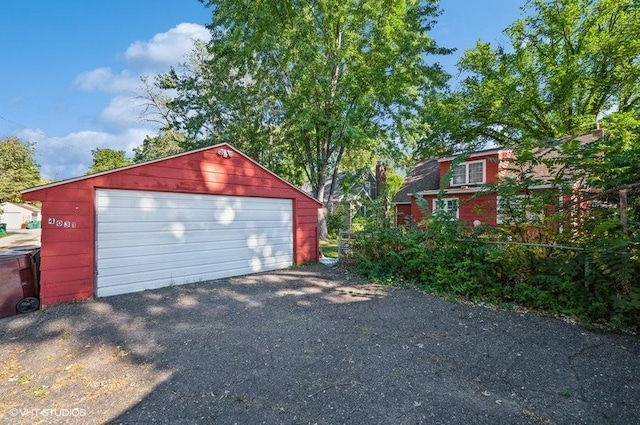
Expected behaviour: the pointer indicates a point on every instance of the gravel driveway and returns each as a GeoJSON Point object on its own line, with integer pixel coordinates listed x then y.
{"type": "Point", "coordinates": [309, 345]}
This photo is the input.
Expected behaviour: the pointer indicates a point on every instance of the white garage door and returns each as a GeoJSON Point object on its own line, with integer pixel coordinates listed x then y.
{"type": "Point", "coordinates": [13, 219]}
{"type": "Point", "coordinates": [147, 240]}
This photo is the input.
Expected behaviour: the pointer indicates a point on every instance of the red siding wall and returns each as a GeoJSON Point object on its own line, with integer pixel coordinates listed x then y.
{"type": "Point", "coordinates": [482, 208]}
{"type": "Point", "coordinates": [492, 166]}
{"type": "Point", "coordinates": [402, 210]}
{"type": "Point", "coordinates": [68, 233]}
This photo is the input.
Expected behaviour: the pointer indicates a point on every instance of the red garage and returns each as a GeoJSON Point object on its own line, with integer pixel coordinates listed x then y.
{"type": "Point", "coordinates": [201, 215]}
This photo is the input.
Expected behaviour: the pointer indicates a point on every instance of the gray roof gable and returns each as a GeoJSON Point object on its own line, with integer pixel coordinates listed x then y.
{"type": "Point", "coordinates": [425, 175]}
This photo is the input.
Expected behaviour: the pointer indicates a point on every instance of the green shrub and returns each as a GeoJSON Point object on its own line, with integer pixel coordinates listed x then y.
{"type": "Point", "coordinates": [337, 220]}
{"type": "Point", "coordinates": [443, 256]}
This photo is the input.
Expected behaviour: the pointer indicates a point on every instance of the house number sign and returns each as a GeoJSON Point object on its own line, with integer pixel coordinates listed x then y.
{"type": "Point", "coordinates": [62, 223]}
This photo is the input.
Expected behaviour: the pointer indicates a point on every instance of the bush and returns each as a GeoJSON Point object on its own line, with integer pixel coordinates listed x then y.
{"type": "Point", "coordinates": [445, 257]}
{"type": "Point", "coordinates": [337, 220]}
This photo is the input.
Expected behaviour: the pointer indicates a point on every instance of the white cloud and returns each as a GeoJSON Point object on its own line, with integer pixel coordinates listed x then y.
{"type": "Point", "coordinates": [141, 57]}
{"type": "Point", "coordinates": [97, 79]}
{"type": "Point", "coordinates": [103, 79]}
{"type": "Point", "coordinates": [122, 112]}
{"type": "Point", "coordinates": [70, 156]}
{"type": "Point", "coordinates": [120, 127]}
{"type": "Point", "coordinates": [167, 48]}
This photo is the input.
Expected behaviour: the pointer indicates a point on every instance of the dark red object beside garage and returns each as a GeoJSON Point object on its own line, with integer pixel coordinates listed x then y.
{"type": "Point", "coordinates": [18, 283]}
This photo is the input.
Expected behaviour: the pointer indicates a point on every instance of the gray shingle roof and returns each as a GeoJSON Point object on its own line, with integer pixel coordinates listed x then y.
{"type": "Point", "coordinates": [425, 175]}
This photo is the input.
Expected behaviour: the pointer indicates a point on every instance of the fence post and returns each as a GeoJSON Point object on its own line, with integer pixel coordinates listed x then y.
{"type": "Point", "coordinates": [586, 267]}
{"type": "Point", "coordinates": [623, 210]}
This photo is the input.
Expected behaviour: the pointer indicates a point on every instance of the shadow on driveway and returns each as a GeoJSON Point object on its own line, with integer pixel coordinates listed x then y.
{"type": "Point", "coordinates": [308, 345]}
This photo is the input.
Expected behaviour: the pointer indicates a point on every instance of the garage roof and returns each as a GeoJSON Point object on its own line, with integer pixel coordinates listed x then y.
{"type": "Point", "coordinates": [222, 150]}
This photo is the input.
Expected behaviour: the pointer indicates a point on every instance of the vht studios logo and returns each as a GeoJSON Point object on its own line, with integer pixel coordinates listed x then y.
{"type": "Point", "coordinates": [76, 413]}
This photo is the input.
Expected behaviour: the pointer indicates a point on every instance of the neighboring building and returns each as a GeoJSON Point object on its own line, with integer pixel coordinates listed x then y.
{"type": "Point", "coordinates": [200, 215]}
{"type": "Point", "coordinates": [352, 190]}
{"type": "Point", "coordinates": [469, 178]}
{"type": "Point", "coordinates": [16, 216]}
{"type": "Point", "coordinates": [465, 196]}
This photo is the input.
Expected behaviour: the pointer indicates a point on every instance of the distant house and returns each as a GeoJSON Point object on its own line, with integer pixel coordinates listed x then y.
{"type": "Point", "coordinates": [352, 191]}
{"type": "Point", "coordinates": [16, 216]}
{"type": "Point", "coordinates": [354, 187]}
{"type": "Point", "coordinates": [465, 194]}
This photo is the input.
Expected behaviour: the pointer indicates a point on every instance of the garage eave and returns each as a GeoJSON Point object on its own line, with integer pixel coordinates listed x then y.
{"type": "Point", "coordinates": [32, 193]}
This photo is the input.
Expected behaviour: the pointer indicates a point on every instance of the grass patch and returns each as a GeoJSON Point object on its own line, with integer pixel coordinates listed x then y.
{"type": "Point", "coordinates": [329, 247]}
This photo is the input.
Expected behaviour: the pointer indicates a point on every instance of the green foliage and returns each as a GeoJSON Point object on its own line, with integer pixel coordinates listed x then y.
{"type": "Point", "coordinates": [444, 256]}
{"type": "Point", "coordinates": [376, 215]}
{"type": "Point", "coordinates": [107, 159]}
{"type": "Point", "coordinates": [301, 87]}
{"type": "Point", "coordinates": [393, 183]}
{"type": "Point", "coordinates": [568, 64]}
{"type": "Point", "coordinates": [18, 168]}
{"type": "Point", "coordinates": [338, 219]}
{"type": "Point", "coordinates": [166, 144]}
{"type": "Point", "coordinates": [571, 63]}
{"type": "Point", "coordinates": [359, 213]}
{"type": "Point", "coordinates": [329, 247]}
{"type": "Point", "coordinates": [607, 165]}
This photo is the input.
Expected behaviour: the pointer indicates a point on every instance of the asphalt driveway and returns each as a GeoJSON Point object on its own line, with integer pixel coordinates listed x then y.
{"type": "Point", "coordinates": [21, 239]}
{"type": "Point", "coordinates": [309, 345]}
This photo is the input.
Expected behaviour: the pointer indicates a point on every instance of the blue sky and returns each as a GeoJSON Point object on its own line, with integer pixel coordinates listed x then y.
{"type": "Point", "coordinates": [70, 69]}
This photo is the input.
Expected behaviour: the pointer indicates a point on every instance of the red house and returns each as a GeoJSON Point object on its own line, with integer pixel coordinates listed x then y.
{"type": "Point", "coordinates": [465, 194]}
{"type": "Point", "coordinates": [201, 215]}
{"type": "Point", "coordinates": [467, 180]}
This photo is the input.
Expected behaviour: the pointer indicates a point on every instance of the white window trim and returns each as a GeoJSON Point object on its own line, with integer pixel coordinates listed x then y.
{"type": "Point", "coordinates": [434, 206]}
{"type": "Point", "coordinates": [466, 164]}
{"type": "Point", "coordinates": [530, 217]}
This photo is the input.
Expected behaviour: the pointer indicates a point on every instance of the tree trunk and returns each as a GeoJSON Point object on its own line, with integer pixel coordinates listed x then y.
{"type": "Point", "coordinates": [323, 231]}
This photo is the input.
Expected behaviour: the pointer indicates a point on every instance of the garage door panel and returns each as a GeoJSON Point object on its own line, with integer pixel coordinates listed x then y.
{"type": "Point", "coordinates": [179, 232]}
{"type": "Point", "coordinates": [199, 209]}
{"type": "Point", "coordinates": [126, 283]}
{"type": "Point", "coordinates": [180, 236]}
{"type": "Point", "coordinates": [148, 240]}
{"type": "Point", "coordinates": [112, 249]}
{"type": "Point", "coordinates": [259, 217]}
{"type": "Point", "coordinates": [177, 227]}
{"type": "Point", "coordinates": [184, 259]}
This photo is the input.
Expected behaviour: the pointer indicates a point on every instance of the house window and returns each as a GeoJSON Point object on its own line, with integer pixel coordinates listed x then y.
{"type": "Point", "coordinates": [472, 172]}
{"type": "Point", "coordinates": [449, 206]}
{"type": "Point", "coordinates": [516, 209]}
{"type": "Point", "coordinates": [368, 188]}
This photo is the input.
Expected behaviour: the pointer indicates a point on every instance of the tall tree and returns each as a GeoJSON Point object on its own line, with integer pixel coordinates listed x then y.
{"type": "Point", "coordinates": [569, 64]}
{"type": "Point", "coordinates": [206, 101]}
{"type": "Point", "coordinates": [18, 168]}
{"type": "Point", "coordinates": [165, 144]}
{"type": "Point", "coordinates": [107, 159]}
{"type": "Point", "coordinates": [300, 85]}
